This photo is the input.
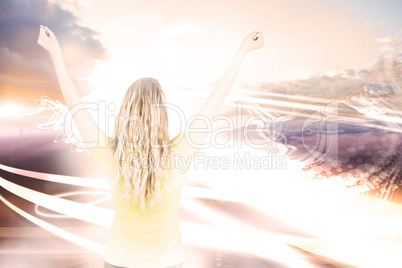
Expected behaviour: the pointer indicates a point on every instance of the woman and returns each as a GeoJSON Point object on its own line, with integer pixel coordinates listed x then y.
{"type": "Point", "coordinates": [146, 183]}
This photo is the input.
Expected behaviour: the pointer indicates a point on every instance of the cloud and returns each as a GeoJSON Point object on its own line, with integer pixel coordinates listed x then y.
{"type": "Point", "coordinates": [26, 65]}
{"type": "Point", "coordinates": [22, 77]}
{"type": "Point", "coordinates": [331, 87]}
{"type": "Point", "coordinates": [13, 64]}
{"type": "Point", "coordinates": [383, 78]}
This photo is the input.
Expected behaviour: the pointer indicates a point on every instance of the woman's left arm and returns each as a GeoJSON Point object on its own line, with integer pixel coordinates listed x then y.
{"type": "Point", "coordinates": [87, 127]}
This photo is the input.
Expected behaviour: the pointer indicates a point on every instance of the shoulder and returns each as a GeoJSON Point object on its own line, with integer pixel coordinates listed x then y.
{"type": "Point", "coordinates": [183, 145]}
{"type": "Point", "coordinates": [176, 140]}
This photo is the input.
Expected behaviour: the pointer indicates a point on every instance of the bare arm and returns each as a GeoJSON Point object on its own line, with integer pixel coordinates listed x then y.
{"type": "Point", "coordinates": [213, 103]}
{"type": "Point", "coordinates": [89, 131]}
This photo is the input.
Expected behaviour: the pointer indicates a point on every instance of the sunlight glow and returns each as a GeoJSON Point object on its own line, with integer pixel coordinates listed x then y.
{"type": "Point", "coordinates": [15, 110]}
{"type": "Point", "coordinates": [10, 110]}
{"type": "Point", "coordinates": [322, 208]}
{"type": "Point", "coordinates": [178, 30]}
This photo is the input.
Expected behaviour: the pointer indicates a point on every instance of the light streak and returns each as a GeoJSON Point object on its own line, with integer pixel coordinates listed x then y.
{"type": "Point", "coordinates": [286, 104]}
{"type": "Point", "coordinates": [42, 198]}
{"type": "Point", "coordinates": [373, 105]}
{"type": "Point", "coordinates": [86, 243]}
{"type": "Point", "coordinates": [196, 192]}
{"type": "Point", "coordinates": [107, 197]}
{"type": "Point", "coordinates": [386, 118]}
{"type": "Point", "coordinates": [332, 244]}
{"type": "Point", "coordinates": [351, 229]}
{"type": "Point", "coordinates": [197, 235]}
{"type": "Point", "coordinates": [238, 240]}
{"type": "Point", "coordinates": [297, 97]}
{"type": "Point", "coordinates": [61, 121]}
{"type": "Point", "coordinates": [88, 213]}
{"type": "Point", "coordinates": [67, 206]}
{"type": "Point", "coordinates": [372, 112]}
{"type": "Point", "coordinates": [45, 103]}
{"type": "Point", "coordinates": [261, 93]}
{"type": "Point", "coordinates": [248, 239]}
{"type": "Point", "coordinates": [323, 209]}
{"type": "Point", "coordinates": [78, 181]}
{"type": "Point", "coordinates": [367, 121]}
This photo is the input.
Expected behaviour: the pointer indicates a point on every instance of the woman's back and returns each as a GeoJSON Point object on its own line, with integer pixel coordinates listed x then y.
{"type": "Point", "coordinates": [151, 239]}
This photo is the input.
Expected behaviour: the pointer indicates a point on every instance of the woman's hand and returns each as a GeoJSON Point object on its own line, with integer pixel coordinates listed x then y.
{"type": "Point", "coordinates": [48, 40]}
{"type": "Point", "coordinates": [252, 41]}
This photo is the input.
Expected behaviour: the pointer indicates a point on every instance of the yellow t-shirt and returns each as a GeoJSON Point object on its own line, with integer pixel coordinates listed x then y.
{"type": "Point", "coordinates": [153, 239]}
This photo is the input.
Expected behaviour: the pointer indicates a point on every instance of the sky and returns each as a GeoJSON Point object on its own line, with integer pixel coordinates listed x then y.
{"type": "Point", "coordinates": [107, 45]}
{"type": "Point", "coordinates": [314, 48]}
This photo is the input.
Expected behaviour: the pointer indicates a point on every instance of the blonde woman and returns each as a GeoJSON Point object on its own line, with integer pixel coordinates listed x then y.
{"type": "Point", "coordinates": [146, 183]}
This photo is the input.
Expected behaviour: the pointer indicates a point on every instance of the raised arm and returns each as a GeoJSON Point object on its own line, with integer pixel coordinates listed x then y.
{"type": "Point", "coordinates": [213, 103]}
{"type": "Point", "coordinates": [89, 131]}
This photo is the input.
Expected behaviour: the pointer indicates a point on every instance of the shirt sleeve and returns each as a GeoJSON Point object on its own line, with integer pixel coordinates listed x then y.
{"type": "Point", "coordinates": [185, 147]}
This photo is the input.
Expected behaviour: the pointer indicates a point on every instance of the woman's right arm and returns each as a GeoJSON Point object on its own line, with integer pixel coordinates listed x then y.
{"type": "Point", "coordinates": [210, 108]}
{"type": "Point", "coordinates": [89, 131]}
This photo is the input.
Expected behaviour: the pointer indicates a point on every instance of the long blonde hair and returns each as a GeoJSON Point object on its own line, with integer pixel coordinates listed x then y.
{"type": "Point", "coordinates": [140, 145]}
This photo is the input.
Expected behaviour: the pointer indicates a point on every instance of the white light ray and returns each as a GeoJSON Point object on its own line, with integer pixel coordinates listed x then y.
{"type": "Point", "coordinates": [78, 181]}
{"type": "Point", "coordinates": [92, 214]}
{"type": "Point", "coordinates": [314, 107]}
{"type": "Point", "coordinates": [91, 245]}
{"type": "Point", "coordinates": [324, 209]}
{"type": "Point", "coordinates": [107, 197]}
